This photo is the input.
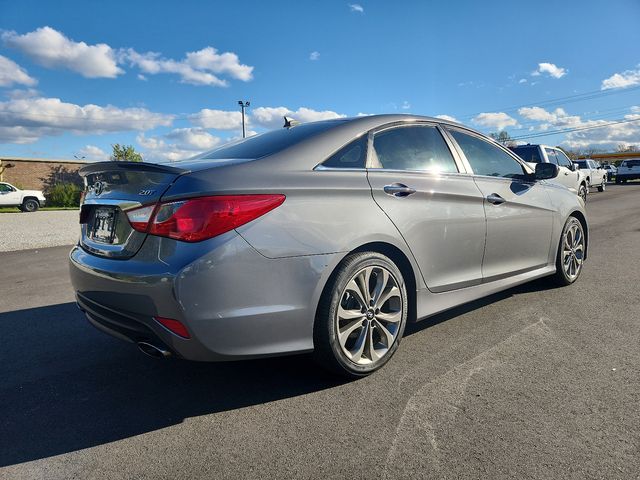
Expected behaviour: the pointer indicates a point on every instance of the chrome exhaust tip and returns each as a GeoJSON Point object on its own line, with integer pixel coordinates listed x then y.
{"type": "Point", "coordinates": [153, 350]}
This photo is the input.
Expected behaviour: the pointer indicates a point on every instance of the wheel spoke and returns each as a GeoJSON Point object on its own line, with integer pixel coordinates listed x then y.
{"type": "Point", "coordinates": [373, 356]}
{"type": "Point", "coordinates": [392, 317]}
{"type": "Point", "coordinates": [383, 330]}
{"type": "Point", "coordinates": [354, 288]}
{"type": "Point", "coordinates": [577, 239]}
{"type": "Point", "coordinates": [363, 283]}
{"type": "Point", "coordinates": [387, 295]}
{"type": "Point", "coordinates": [382, 279]}
{"type": "Point", "coordinates": [361, 342]}
{"type": "Point", "coordinates": [346, 331]}
{"type": "Point", "coordinates": [345, 314]}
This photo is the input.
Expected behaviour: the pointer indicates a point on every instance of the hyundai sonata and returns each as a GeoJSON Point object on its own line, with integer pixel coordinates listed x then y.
{"type": "Point", "coordinates": [325, 237]}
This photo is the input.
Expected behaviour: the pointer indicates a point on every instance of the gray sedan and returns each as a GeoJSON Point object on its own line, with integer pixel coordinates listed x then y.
{"type": "Point", "coordinates": [325, 237]}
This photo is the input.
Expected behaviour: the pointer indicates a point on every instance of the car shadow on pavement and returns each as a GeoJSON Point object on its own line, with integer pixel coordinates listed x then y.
{"type": "Point", "coordinates": [65, 386]}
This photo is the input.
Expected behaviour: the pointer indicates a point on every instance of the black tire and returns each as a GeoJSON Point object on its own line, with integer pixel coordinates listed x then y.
{"type": "Point", "coordinates": [328, 351]}
{"type": "Point", "coordinates": [582, 192]}
{"type": "Point", "coordinates": [618, 181]}
{"type": "Point", "coordinates": [602, 187]}
{"type": "Point", "coordinates": [561, 278]}
{"type": "Point", "coordinates": [30, 205]}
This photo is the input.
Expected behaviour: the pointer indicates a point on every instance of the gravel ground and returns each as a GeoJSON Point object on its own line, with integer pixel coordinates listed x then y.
{"type": "Point", "coordinates": [21, 231]}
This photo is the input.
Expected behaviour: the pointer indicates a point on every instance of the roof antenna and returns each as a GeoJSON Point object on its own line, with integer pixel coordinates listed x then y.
{"type": "Point", "coordinates": [290, 122]}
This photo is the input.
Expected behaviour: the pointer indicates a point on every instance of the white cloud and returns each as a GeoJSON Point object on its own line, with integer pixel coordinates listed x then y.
{"type": "Point", "coordinates": [142, 77]}
{"type": "Point", "coordinates": [449, 118]}
{"type": "Point", "coordinates": [628, 78]}
{"type": "Point", "coordinates": [176, 145]}
{"type": "Point", "coordinates": [11, 73]}
{"type": "Point", "coordinates": [218, 119]}
{"type": "Point", "coordinates": [20, 93]}
{"type": "Point", "coordinates": [52, 49]}
{"type": "Point", "coordinates": [522, 80]}
{"type": "Point", "coordinates": [314, 55]}
{"type": "Point", "coordinates": [203, 67]}
{"type": "Point", "coordinates": [495, 120]}
{"type": "Point", "coordinates": [91, 152]}
{"type": "Point", "coordinates": [25, 120]}
{"type": "Point", "coordinates": [272, 117]}
{"type": "Point", "coordinates": [405, 105]}
{"type": "Point", "coordinates": [606, 136]}
{"type": "Point", "coordinates": [550, 69]}
{"type": "Point", "coordinates": [356, 7]}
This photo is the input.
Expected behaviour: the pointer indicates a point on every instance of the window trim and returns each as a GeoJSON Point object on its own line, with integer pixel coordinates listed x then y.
{"type": "Point", "coordinates": [320, 167]}
{"type": "Point", "coordinates": [413, 123]}
{"type": "Point", "coordinates": [490, 141]}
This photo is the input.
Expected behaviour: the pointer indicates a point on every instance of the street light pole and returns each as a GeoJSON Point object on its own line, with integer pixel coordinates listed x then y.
{"type": "Point", "coordinates": [243, 105]}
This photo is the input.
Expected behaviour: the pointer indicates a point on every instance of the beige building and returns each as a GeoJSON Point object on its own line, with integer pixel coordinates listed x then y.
{"type": "Point", "coordinates": [36, 173]}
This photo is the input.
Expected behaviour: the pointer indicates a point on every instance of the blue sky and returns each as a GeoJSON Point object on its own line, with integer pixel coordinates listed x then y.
{"type": "Point", "coordinates": [76, 77]}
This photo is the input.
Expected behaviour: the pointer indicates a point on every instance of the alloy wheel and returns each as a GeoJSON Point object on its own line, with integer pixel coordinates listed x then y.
{"type": "Point", "coordinates": [369, 315]}
{"type": "Point", "coordinates": [573, 250]}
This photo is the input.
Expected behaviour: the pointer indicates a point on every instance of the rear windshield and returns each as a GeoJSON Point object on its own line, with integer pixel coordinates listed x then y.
{"type": "Point", "coordinates": [528, 154]}
{"type": "Point", "coordinates": [269, 143]}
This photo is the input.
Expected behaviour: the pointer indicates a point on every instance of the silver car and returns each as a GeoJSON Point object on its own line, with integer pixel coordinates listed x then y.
{"type": "Point", "coordinates": [326, 237]}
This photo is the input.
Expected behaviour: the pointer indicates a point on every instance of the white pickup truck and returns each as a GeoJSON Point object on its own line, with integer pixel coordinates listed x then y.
{"type": "Point", "coordinates": [25, 200]}
{"type": "Point", "coordinates": [596, 175]}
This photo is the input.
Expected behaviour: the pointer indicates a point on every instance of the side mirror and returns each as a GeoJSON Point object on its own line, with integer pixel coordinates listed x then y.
{"type": "Point", "coordinates": [573, 167]}
{"type": "Point", "coordinates": [546, 171]}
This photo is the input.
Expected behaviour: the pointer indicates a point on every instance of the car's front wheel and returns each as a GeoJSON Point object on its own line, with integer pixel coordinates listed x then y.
{"type": "Point", "coordinates": [361, 316]}
{"type": "Point", "coordinates": [571, 252]}
{"type": "Point", "coordinates": [582, 192]}
{"type": "Point", "coordinates": [603, 185]}
{"type": "Point", "coordinates": [30, 205]}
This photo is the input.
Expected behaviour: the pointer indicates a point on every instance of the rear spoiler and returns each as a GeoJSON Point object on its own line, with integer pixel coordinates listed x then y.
{"type": "Point", "coordinates": [100, 167]}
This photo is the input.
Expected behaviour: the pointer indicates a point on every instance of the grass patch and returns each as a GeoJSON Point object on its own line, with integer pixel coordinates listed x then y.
{"type": "Point", "coordinates": [45, 209]}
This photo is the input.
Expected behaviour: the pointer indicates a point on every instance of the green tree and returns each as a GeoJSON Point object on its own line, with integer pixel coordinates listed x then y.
{"type": "Point", "coordinates": [504, 138]}
{"type": "Point", "coordinates": [125, 153]}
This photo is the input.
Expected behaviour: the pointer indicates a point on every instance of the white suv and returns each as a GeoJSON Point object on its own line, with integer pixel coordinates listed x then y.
{"type": "Point", "coordinates": [596, 175]}
{"type": "Point", "coordinates": [628, 170]}
{"type": "Point", "coordinates": [569, 175]}
{"type": "Point", "coordinates": [25, 200]}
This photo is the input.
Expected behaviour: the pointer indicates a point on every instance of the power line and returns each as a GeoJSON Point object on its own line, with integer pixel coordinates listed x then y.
{"type": "Point", "coordinates": [574, 129]}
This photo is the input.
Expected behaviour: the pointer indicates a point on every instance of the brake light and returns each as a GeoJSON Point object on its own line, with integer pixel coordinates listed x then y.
{"type": "Point", "coordinates": [197, 219]}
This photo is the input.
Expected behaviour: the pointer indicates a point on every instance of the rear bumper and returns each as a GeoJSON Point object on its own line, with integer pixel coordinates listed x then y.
{"type": "Point", "coordinates": [235, 302]}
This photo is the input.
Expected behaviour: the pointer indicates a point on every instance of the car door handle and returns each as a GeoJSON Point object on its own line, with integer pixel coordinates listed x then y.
{"type": "Point", "coordinates": [495, 199]}
{"type": "Point", "coordinates": [398, 190]}
{"type": "Point", "coordinates": [566, 173]}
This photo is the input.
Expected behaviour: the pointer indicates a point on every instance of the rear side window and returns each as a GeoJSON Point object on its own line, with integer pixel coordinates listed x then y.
{"type": "Point", "coordinates": [420, 148]}
{"type": "Point", "coordinates": [486, 158]}
{"type": "Point", "coordinates": [528, 154]}
{"type": "Point", "coordinates": [354, 155]}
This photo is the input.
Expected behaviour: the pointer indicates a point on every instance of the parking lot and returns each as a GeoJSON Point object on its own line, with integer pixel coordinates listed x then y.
{"type": "Point", "coordinates": [534, 382]}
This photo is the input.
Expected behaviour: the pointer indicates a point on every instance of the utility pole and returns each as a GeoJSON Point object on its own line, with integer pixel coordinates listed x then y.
{"type": "Point", "coordinates": [243, 105]}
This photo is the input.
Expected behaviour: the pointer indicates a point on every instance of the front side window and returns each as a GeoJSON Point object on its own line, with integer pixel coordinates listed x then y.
{"type": "Point", "coordinates": [551, 155]}
{"type": "Point", "coordinates": [419, 148]}
{"type": "Point", "coordinates": [485, 158]}
{"type": "Point", "coordinates": [563, 160]}
{"type": "Point", "coordinates": [354, 155]}
{"type": "Point", "coordinates": [5, 188]}
{"type": "Point", "coordinates": [581, 164]}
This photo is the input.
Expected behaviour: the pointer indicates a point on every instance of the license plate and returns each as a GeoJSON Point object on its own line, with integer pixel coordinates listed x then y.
{"type": "Point", "coordinates": [104, 225]}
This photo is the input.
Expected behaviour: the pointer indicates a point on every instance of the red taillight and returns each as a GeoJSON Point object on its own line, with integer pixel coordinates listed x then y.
{"type": "Point", "coordinates": [174, 325]}
{"type": "Point", "coordinates": [196, 219]}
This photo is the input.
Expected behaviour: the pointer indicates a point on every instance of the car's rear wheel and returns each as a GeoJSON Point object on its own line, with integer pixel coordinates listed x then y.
{"type": "Point", "coordinates": [361, 316]}
{"type": "Point", "coordinates": [582, 192]}
{"type": "Point", "coordinates": [602, 187]}
{"type": "Point", "coordinates": [571, 252]}
{"type": "Point", "coordinates": [30, 205]}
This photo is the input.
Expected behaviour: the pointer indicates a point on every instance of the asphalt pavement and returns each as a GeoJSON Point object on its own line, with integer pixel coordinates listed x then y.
{"type": "Point", "coordinates": [534, 382]}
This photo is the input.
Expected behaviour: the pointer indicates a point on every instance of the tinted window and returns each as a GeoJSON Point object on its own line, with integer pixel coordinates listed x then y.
{"type": "Point", "coordinates": [270, 142]}
{"type": "Point", "coordinates": [485, 158]}
{"type": "Point", "coordinates": [581, 163]}
{"type": "Point", "coordinates": [5, 188]}
{"type": "Point", "coordinates": [563, 160]}
{"type": "Point", "coordinates": [413, 148]}
{"type": "Point", "coordinates": [551, 154]}
{"type": "Point", "coordinates": [354, 155]}
{"type": "Point", "coordinates": [631, 163]}
{"type": "Point", "coordinates": [528, 154]}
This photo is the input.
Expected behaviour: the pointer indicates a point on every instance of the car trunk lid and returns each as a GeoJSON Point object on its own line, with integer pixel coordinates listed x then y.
{"type": "Point", "coordinates": [112, 189]}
